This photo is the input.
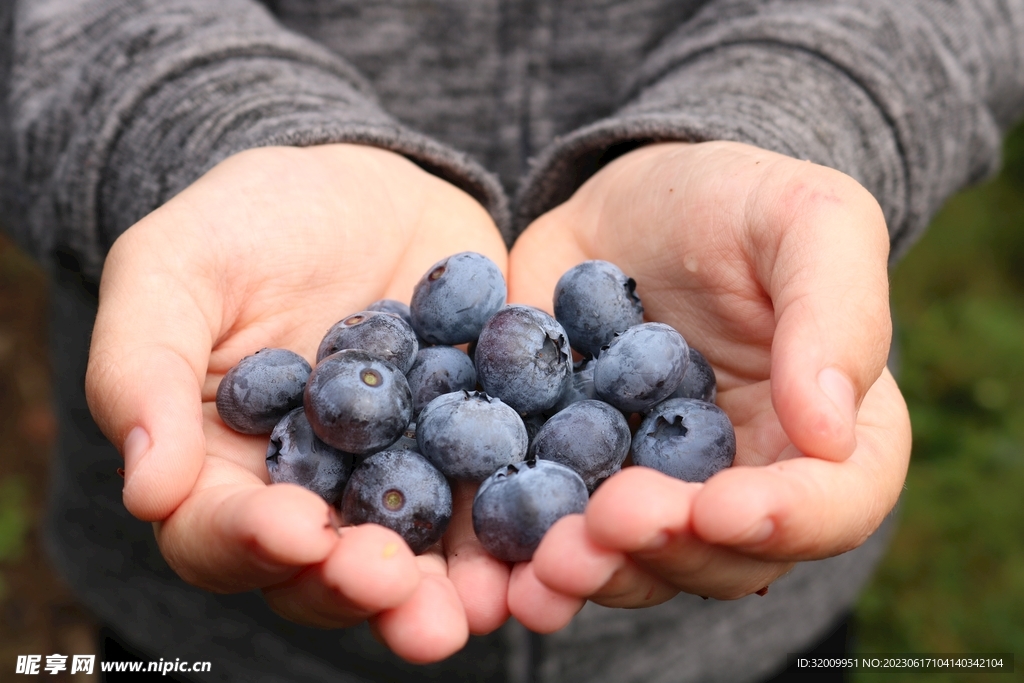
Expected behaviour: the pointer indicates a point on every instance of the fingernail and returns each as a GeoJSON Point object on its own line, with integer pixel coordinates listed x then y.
{"type": "Point", "coordinates": [659, 541]}
{"type": "Point", "coordinates": [758, 533]}
{"type": "Point", "coordinates": [135, 446]}
{"type": "Point", "coordinates": [333, 521]}
{"type": "Point", "coordinates": [839, 391]}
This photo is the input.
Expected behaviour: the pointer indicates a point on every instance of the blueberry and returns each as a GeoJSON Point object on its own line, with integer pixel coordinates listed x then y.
{"type": "Point", "coordinates": [453, 300]}
{"type": "Point", "coordinates": [516, 505]}
{"type": "Point", "coordinates": [295, 455]}
{"type": "Point", "coordinates": [439, 370]}
{"type": "Point", "coordinates": [581, 388]}
{"type": "Point", "coordinates": [468, 435]}
{"type": "Point", "coordinates": [403, 492]}
{"type": "Point", "coordinates": [255, 394]}
{"type": "Point", "coordinates": [407, 441]}
{"type": "Point", "coordinates": [594, 301]}
{"type": "Point", "coordinates": [523, 358]}
{"type": "Point", "coordinates": [641, 367]}
{"type": "Point", "coordinates": [533, 423]}
{"type": "Point", "coordinates": [699, 379]}
{"type": "Point", "coordinates": [685, 438]}
{"type": "Point", "coordinates": [395, 307]}
{"type": "Point", "coordinates": [591, 437]}
{"type": "Point", "coordinates": [384, 335]}
{"type": "Point", "coordinates": [392, 306]}
{"type": "Point", "coordinates": [357, 402]}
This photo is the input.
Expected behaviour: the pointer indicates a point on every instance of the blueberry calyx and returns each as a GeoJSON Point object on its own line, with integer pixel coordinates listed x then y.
{"type": "Point", "coordinates": [393, 500]}
{"type": "Point", "coordinates": [664, 428]}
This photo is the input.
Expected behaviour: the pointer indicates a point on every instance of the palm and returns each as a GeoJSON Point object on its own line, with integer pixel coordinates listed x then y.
{"type": "Point", "coordinates": [752, 257]}
{"type": "Point", "coordinates": [269, 250]}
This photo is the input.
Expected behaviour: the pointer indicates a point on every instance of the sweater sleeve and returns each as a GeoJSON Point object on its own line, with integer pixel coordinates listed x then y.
{"type": "Point", "coordinates": [911, 98]}
{"type": "Point", "coordinates": [111, 107]}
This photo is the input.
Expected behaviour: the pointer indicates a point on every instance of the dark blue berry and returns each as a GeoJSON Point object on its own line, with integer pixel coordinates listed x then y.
{"type": "Point", "coordinates": [255, 394]}
{"type": "Point", "coordinates": [594, 301]}
{"type": "Point", "coordinates": [523, 358]}
{"type": "Point", "coordinates": [407, 441]}
{"type": "Point", "coordinates": [641, 367]}
{"type": "Point", "coordinates": [533, 423]}
{"type": "Point", "coordinates": [591, 437]}
{"type": "Point", "coordinates": [685, 438]}
{"type": "Point", "coordinates": [295, 455]}
{"type": "Point", "coordinates": [395, 307]}
{"type": "Point", "coordinates": [581, 388]}
{"type": "Point", "coordinates": [403, 492]}
{"type": "Point", "coordinates": [357, 402]}
{"type": "Point", "coordinates": [384, 335]}
{"type": "Point", "coordinates": [468, 435]}
{"type": "Point", "coordinates": [439, 370]}
{"type": "Point", "coordinates": [392, 306]}
{"type": "Point", "coordinates": [699, 379]}
{"type": "Point", "coordinates": [453, 300]}
{"type": "Point", "coordinates": [516, 505]}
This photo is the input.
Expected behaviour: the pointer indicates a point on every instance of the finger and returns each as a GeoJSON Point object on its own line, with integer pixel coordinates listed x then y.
{"type": "Point", "coordinates": [235, 534]}
{"type": "Point", "coordinates": [370, 569]}
{"type": "Point", "coordinates": [638, 509]}
{"type": "Point", "coordinates": [648, 514]}
{"type": "Point", "coordinates": [306, 600]}
{"type": "Point", "coordinates": [480, 581]}
{"type": "Point", "coordinates": [804, 508]}
{"type": "Point", "coordinates": [144, 380]}
{"type": "Point", "coordinates": [569, 562]}
{"type": "Point", "coordinates": [688, 564]}
{"type": "Point", "coordinates": [823, 251]}
{"type": "Point", "coordinates": [428, 627]}
{"type": "Point", "coordinates": [536, 606]}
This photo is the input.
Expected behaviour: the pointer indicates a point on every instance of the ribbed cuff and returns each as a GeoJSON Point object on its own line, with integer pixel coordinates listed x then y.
{"type": "Point", "coordinates": [196, 92]}
{"type": "Point", "coordinates": [782, 98]}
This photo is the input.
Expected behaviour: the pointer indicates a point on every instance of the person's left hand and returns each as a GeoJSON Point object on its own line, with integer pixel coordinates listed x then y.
{"type": "Point", "coordinates": [776, 270]}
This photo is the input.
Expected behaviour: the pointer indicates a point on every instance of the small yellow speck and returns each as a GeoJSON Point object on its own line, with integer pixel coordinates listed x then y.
{"type": "Point", "coordinates": [389, 550]}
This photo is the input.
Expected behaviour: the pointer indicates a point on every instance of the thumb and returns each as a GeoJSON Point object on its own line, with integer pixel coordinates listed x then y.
{"type": "Point", "coordinates": [830, 290]}
{"type": "Point", "coordinates": [150, 348]}
{"type": "Point", "coordinates": [539, 257]}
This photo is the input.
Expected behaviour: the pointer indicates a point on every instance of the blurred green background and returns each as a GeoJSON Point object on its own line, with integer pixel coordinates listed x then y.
{"type": "Point", "coordinates": [953, 580]}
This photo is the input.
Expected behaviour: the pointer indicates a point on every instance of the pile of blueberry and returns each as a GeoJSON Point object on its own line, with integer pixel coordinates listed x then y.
{"type": "Point", "coordinates": [393, 410]}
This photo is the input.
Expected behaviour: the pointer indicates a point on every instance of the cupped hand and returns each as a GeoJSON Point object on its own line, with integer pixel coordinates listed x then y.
{"type": "Point", "coordinates": [269, 249]}
{"type": "Point", "coordinates": [775, 269]}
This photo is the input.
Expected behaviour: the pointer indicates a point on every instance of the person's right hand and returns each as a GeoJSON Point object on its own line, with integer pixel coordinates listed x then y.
{"type": "Point", "coordinates": [269, 249]}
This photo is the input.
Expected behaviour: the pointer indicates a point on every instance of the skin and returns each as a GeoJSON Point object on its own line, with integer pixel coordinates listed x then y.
{"type": "Point", "coordinates": [271, 248]}
{"type": "Point", "coordinates": [775, 268]}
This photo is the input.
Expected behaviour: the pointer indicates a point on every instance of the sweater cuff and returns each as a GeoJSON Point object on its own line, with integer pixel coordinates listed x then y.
{"type": "Point", "coordinates": [193, 122]}
{"type": "Point", "coordinates": [776, 97]}
{"type": "Point", "coordinates": [170, 100]}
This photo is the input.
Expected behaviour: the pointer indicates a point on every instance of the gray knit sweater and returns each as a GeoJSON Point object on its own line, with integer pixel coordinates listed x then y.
{"type": "Point", "coordinates": [110, 107]}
